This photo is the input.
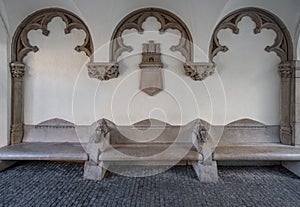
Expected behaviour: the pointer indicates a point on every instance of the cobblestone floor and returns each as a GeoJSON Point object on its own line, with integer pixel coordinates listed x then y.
{"type": "Point", "coordinates": [62, 184]}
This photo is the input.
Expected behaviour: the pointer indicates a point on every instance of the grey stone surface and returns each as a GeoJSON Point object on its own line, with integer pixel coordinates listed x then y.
{"type": "Point", "coordinates": [294, 167]}
{"type": "Point", "coordinates": [257, 151]}
{"type": "Point", "coordinates": [53, 130]}
{"type": "Point", "coordinates": [62, 184]}
{"type": "Point", "coordinates": [150, 152]}
{"type": "Point", "coordinates": [247, 130]}
{"type": "Point", "coordinates": [44, 151]}
{"type": "Point", "coordinates": [93, 171]}
{"type": "Point", "coordinates": [206, 172]}
{"type": "Point", "coordinates": [4, 164]}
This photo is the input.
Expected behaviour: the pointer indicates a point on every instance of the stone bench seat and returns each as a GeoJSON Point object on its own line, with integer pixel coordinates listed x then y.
{"type": "Point", "coordinates": [151, 152]}
{"type": "Point", "coordinates": [259, 151]}
{"type": "Point", "coordinates": [44, 151]}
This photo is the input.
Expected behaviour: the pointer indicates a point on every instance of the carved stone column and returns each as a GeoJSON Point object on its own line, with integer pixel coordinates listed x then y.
{"type": "Point", "coordinates": [286, 128]}
{"type": "Point", "coordinates": [17, 73]}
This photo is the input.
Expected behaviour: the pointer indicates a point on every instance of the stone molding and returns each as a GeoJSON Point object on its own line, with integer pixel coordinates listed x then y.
{"type": "Point", "coordinates": [103, 71]}
{"type": "Point", "coordinates": [263, 19]}
{"type": "Point", "coordinates": [198, 71]}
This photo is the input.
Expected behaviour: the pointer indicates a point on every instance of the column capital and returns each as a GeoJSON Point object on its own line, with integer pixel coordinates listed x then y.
{"type": "Point", "coordinates": [198, 71]}
{"type": "Point", "coordinates": [286, 69]}
{"type": "Point", "coordinates": [17, 70]}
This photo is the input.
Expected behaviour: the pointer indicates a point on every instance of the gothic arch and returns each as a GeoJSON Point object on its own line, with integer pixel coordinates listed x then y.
{"type": "Point", "coordinates": [21, 46]}
{"type": "Point", "coordinates": [40, 20]}
{"type": "Point", "coordinates": [135, 20]}
{"type": "Point", "coordinates": [282, 46]}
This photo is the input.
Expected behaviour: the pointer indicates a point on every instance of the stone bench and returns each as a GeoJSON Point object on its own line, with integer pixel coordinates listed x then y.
{"type": "Point", "coordinates": [257, 151]}
{"type": "Point", "coordinates": [55, 151]}
{"type": "Point", "coordinates": [150, 142]}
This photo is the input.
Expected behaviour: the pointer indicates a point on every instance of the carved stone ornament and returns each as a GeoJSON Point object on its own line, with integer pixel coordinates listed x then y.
{"type": "Point", "coordinates": [40, 20]}
{"type": "Point", "coordinates": [17, 70]}
{"type": "Point", "coordinates": [282, 45]}
{"type": "Point", "coordinates": [103, 71]}
{"type": "Point", "coordinates": [167, 20]}
{"type": "Point", "coordinates": [286, 69]}
{"type": "Point", "coordinates": [199, 71]}
{"type": "Point", "coordinates": [100, 132]}
{"type": "Point", "coordinates": [151, 81]}
{"type": "Point", "coordinates": [201, 133]}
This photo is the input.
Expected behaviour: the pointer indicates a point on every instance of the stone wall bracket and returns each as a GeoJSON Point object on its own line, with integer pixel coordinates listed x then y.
{"type": "Point", "coordinates": [103, 70]}
{"type": "Point", "coordinates": [198, 71]}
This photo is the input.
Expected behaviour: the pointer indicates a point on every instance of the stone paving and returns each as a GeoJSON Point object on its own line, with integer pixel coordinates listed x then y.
{"type": "Point", "coordinates": [62, 184]}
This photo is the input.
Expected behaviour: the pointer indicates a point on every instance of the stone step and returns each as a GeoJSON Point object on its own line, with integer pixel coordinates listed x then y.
{"type": "Point", "coordinates": [44, 151]}
{"type": "Point", "coordinates": [258, 151]}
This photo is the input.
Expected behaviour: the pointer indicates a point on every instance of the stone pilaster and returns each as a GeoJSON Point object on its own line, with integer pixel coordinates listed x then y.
{"type": "Point", "coordinates": [286, 70]}
{"type": "Point", "coordinates": [17, 74]}
{"type": "Point", "coordinates": [297, 102]}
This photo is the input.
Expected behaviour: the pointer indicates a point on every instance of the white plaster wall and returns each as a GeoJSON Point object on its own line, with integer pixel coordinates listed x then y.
{"type": "Point", "coordinates": [249, 74]}
{"type": "Point", "coordinates": [4, 89]}
{"type": "Point", "coordinates": [246, 85]}
{"type": "Point", "coordinates": [51, 73]}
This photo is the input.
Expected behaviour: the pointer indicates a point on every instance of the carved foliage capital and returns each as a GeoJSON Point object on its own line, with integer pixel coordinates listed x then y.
{"type": "Point", "coordinates": [199, 71]}
{"type": "Point", "coordinates": [17, 70]}
{"type": "Point", "coordinates": [103, 71]}
{"type": "Point", "coordinates": [286, 69]}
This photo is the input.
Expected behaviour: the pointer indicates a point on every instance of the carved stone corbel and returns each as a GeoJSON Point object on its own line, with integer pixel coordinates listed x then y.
{"type": "Point", "coordinates": [17, 73]}
{"type": "Point", "coordinates": [103, 71]}
{"type": "Point", "coordinates": [199, 71]}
